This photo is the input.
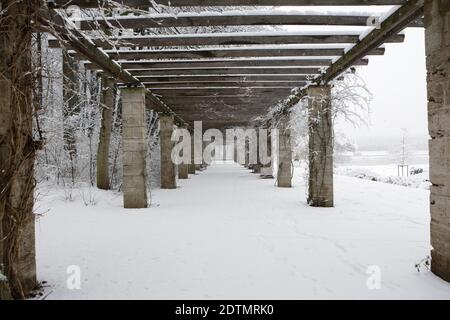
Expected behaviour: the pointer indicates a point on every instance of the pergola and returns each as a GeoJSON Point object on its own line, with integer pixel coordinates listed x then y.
{"type": "Point", "coordinates": [237, 75]}
{"type": "Point", "coordinates": [228, 79]}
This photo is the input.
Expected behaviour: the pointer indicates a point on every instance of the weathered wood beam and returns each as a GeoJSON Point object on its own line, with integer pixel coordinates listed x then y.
{"type": "Point", "coordinates": [186, 92]}
{"type": "Point", "coordinates": [212, 78]}
{"type": "Point", "coordinates": [225, 84]}
{"type": "Point", "coordinates": [227, 63]}
{"type": "Point", "coordinates": [229, 19]}
{"type": "Point", "coordinates": [227, 53]}
{"type": "Point", "coordinates": [225, 71]}
{"type": "Point", "coordinates": [223, 3]}
{"type": "Point", "coordinates": [225, 39]}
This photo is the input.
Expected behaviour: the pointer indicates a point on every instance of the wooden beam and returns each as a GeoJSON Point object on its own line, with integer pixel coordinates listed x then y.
{"type": "Point", "coordinates": [213, 78]}
{"type": "Point", "coordinates": [221, 39]}
{"type": "Point", "coordinates": [224, 3]}
{"type": "Point", "coordinates": [227, 53]}
{"type": "Point", "coordinates": [228, 19]}
{"type": "Point", "coordinates": [225, 71]}
{"type": "Point", "coordinates": [186, 92]}
{"type": "Point", "coordinates": [225, 84]}
{"type": "Point", "coordinates": [227, 63]}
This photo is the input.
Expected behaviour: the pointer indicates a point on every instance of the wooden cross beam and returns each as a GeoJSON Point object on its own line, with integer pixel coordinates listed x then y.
{"type": "Point", "coordinates": [224, 77]}
{"type": "Point", "coordinates": [224, 39]}
{"type": "Point", "coordinates": [224, 3]}
{"type": "Point", "coordinates": [225, 71]}
{"type": "Point", "coordinates": [186, 92]}
{"type": "Point", "coordinates": [224, 84]}
{"type": "Point", "coordinates": [227, 63]}
{"type": "Point", "coordinates": [227, 53]}
{"type": "Point", "coordinates": [248, 18]}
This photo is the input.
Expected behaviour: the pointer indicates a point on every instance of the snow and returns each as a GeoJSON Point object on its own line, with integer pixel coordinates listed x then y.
{"type": "Point", "coordinates": [388, 174]}
{"type": "Point", "coordinates": [226, 234]}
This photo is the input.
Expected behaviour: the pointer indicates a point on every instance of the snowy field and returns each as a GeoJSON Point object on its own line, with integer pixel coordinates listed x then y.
{"type": "Point", "coordinates": [388, 173]}
{"type": "Point", "coordinates": [226, 234]}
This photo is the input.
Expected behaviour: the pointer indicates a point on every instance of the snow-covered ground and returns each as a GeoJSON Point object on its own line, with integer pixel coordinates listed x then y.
{"type": "Point", "coordinates": [226, 234]}
{"type": "Point", "coordinates": [388, 173]}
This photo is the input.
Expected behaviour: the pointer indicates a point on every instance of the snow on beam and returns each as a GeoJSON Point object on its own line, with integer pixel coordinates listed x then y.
{"type": "Point", "coordinates": [222, 3]}
{"type": "Point", "coordinates": [265, 18]}
{"type": "Point", "coordinates": [227, 53]}
{"type": "Point", "coordinates": [227, 39]}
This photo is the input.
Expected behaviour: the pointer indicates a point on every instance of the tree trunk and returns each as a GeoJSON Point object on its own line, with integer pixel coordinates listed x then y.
{"type": "Point", "coordinates": [107, 105]}
{"type": "Point", "coordinates": [17, 148]}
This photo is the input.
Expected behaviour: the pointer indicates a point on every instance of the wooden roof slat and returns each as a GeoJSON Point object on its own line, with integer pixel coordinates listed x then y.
{"type": "Point", "coordinates": [225, 71]}
{"type": "Point", "coordinates": [225, 84]}
{"type": "Point", "coordinates": [226, 53]}
{"type": "Point", "coordinates": [185, 92]}
{"type": "Point", "coordinates": [223, 3]}
{"type": "Point", "coordinates": [225, 77]}
{"type": "Point", "coordinates": [226, 39]}
{"type": "Point", "coordinates": [229, 19]}
{"type": "Point", "coordinates": [226, 63]}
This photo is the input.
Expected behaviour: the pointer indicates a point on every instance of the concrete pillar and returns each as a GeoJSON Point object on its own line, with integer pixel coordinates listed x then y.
{"type": "Point", "coordinates": [235, 151]}
{"type": "Point", "coordinates": [284, 175]}
{"type": "Point", "coordinates": [168, 168]}
{"type": "Point", "coordinates": [266, 169]}
{"type": "Point", "coordinates": [183, 168]}
{"type": "Point", "coordinates": [247, 152]}
{"type": "Point", "coordinates": [320, 192]}
{"type": "Point", "coordinates": [183, 171]}
{"type": "Point", "coordinates": [107, 100]}
{"type": "Point", "coordinates": [134, 148]}
{"type": "Point", "coordinates": [257, 166]}
{"type": "Point", "coordinates": [191, 166]}
{"type": "Point", "coordinates": [204, 165]}
{"type": "Point", "coordinates": [437, 37]}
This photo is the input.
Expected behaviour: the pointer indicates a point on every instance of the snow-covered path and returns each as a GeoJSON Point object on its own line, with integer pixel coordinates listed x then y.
{"type": "Point", "coordinates": [226, 234]}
